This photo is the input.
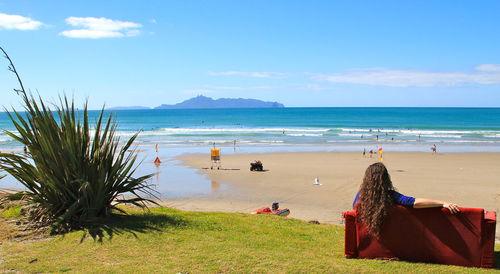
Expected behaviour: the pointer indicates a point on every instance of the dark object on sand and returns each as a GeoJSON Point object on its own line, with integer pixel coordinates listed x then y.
{"type": "Point", "coordinates": [314, 222]}
{"type": "Point", "coordinates": [275, 206]}
{"type": "Point", "coordinates": [256, 166]}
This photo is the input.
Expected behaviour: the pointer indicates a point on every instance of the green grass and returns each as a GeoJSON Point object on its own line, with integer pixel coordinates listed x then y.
{"type": "Point", "coordinates": [168, 240]}
{"type": "Point", "coordinates": [11, 212]}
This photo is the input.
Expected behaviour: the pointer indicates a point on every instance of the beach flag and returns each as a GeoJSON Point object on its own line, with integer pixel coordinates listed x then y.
{"type": "Point", "coordinates": [380, 154]}
{"type": "Point", "coordinates": [157, 161]}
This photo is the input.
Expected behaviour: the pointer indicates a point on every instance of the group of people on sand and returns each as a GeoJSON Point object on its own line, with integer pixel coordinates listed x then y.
{"type": "Point", "coordinates": [369, 152]}
{"type": "Point", "coordinates": [433, 149]}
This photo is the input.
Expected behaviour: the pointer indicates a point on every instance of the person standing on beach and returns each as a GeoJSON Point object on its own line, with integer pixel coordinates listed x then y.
{"type": "Point", "coordinates": [434, 148]}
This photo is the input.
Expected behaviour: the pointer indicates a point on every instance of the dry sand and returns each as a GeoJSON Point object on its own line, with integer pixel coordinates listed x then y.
{"type": "Point", "coordinates": [468, 179]}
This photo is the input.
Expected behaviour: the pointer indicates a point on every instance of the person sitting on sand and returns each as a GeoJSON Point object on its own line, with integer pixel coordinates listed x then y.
{"type": "Point", "coordinates": [377, 195]}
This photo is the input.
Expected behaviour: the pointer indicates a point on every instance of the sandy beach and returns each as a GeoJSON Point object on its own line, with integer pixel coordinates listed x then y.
{"type": "Point", "coordinates": [468, 179]}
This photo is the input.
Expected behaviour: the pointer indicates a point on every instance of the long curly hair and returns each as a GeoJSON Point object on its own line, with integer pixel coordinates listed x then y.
{"type": "Point", "coordinates": [375, 197]}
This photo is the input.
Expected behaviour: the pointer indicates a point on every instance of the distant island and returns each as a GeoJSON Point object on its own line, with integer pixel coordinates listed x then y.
{"type": "Point", "coordinates": [207, 102]}
{"type": "Point", "coordinates": [201, 101]}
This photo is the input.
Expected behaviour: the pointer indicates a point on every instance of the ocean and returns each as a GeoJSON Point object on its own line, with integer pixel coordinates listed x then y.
{"type": "Point", "coordinates": [343, 129]}
{"type": "Point", "coordinates": [285, 130]}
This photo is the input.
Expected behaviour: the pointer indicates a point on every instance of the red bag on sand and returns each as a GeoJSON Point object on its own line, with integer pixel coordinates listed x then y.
{"type": "Point", "coordinates": [266, 210]}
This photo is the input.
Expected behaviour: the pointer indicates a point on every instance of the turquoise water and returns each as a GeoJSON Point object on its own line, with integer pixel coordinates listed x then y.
{"type": "Point", "coordinates": [287, 130]}
{"type": "Point", "coordinates": [347, 128]}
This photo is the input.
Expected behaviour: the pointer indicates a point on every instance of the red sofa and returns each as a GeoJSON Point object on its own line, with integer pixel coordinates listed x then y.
{"type": "Point", "coordinates": [431, 235]}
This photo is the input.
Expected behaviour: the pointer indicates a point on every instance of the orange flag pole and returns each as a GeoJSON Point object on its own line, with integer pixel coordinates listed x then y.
{"type": "Point", "coordinates": [157, 161]}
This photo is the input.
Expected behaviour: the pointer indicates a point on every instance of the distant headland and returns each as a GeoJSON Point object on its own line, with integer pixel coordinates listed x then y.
{"type": "Point", "coordinates": [207, 102]}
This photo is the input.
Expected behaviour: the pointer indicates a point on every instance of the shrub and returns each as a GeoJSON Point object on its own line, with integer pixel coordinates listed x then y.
{"type": "Point", "coordinates": [11, 212]}
{"type": "Point", "coordinates": [74, 176]}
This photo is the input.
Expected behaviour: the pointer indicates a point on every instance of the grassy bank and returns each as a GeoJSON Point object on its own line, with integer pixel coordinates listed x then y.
{"type": "Point", "coordinates": [178, 241]}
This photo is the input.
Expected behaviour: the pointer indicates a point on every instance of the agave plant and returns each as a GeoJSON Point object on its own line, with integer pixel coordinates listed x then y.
{"type": "Point", "coordinates": [73, 171]}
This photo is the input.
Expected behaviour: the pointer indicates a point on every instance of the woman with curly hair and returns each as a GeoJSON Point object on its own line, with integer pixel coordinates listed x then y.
{"type": "Point", "coordinates": [377, 195]}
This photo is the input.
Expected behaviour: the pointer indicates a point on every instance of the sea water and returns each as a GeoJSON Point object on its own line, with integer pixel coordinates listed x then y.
{"type": "Point", "coordinates": [403, 129]}
{"type": "Point", "coordinates": [287, 129]}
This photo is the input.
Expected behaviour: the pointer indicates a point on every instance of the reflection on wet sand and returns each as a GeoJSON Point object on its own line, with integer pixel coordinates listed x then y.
{"type": "Point", "coordinates": [215, 186]}
{"type": "Point", "coordinates": [157, 174]}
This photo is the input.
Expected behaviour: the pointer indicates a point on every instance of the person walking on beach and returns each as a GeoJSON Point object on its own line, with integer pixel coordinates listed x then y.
{"type": "Point", "coordinates": [377, 195]}
{"type": "Point", "coordinates": [364, 152]}
{"type": "Point", "coordinates": [434, 148]}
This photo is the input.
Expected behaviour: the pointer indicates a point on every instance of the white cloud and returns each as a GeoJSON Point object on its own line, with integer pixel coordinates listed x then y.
{"type": "Point", "coordinates": [486, 74]}
{"type": "Point", "coordinates": [250, 74]}
{"type": "Point", "coordinates": [308, 86]}
{"type": "Point", "coordinates": [488, 67]}
{"type": "Point", "coordinates": [92, 27]}
{"type": "Point", "coordinates": [18, 22]}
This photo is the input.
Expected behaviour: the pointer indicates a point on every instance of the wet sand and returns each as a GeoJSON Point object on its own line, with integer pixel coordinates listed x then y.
{"type": "Point", "coordinates": [468, 179]}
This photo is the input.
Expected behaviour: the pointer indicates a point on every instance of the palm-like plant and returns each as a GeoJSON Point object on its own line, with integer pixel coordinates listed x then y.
{"type": "Point", "coordinates": [74, 176]}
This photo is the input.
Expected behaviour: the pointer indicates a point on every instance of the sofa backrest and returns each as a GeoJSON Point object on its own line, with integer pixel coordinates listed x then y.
{"type": "Point", "coordinates": [426, 235]}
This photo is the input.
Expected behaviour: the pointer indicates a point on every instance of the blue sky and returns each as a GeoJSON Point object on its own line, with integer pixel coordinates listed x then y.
{"type": "Point", "coordinates": [300, 53]}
